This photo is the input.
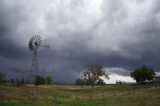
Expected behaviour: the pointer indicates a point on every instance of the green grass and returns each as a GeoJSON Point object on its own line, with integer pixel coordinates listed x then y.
{"type": "Point", "coordinates": [106, 102]}
{"type": "Point", "coordinates": [70, 95]}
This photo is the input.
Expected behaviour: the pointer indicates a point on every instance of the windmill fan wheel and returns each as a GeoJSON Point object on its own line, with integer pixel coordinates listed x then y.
{"type": "Point", "coordinates": [34, 42]}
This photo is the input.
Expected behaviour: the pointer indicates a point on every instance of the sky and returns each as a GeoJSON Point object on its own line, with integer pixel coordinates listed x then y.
{"type": "Point", "coordinates": [120, 34]}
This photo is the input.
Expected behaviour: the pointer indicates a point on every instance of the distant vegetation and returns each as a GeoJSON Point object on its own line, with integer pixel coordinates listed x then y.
{"type": "Point", "coordinates": [39, 80]}
{"type": "Point", "coordinates": [143, 74]}
{"type": "Point", "coordinates": [92, 76]}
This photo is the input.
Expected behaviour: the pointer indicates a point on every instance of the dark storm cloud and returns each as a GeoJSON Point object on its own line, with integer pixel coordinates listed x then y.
{"type": "Point", "coordinates": [121, 34]}
{"type": "Point", "coordinates": [10, 50]}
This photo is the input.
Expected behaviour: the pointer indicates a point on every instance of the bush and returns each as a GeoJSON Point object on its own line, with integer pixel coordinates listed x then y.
{"type": "Point", "coordinates": [39, 80]}
{"type": "Point", "coordinates": [143, 74]}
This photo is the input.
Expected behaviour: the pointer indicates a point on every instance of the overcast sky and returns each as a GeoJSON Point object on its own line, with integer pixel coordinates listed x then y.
{"type": "Point", "coordinates": [120, 34]}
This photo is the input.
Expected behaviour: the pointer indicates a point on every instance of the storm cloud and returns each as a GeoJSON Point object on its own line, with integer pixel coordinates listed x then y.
{"type": "Point", "coordinates": [120, 34]}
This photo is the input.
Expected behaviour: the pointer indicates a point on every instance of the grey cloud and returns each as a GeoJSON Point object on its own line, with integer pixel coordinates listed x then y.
{"type": "Point", "coordinates": [80, 32]}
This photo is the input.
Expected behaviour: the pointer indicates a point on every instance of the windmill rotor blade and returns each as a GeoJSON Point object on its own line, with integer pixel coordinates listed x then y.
{"type": "Point", "coordinates": [34, 42]}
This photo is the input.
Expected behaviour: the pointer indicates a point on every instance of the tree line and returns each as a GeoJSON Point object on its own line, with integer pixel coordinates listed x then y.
{"type": "Point", "coordinates": [95, 71]}
{"type": "Point", "coordinates": [38, 80]}
{"type": "Point", "coordinates": [90, 77]}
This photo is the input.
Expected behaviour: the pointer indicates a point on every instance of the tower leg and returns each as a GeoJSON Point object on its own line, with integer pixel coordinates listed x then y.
{"type": "Point", "coordinates": [34, 70]}
{"type": "Point", "coordinates": [33, 73]}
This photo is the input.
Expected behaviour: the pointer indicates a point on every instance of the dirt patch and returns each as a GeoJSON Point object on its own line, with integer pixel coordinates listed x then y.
{"type": "Point", "coordinates": [10, 95]}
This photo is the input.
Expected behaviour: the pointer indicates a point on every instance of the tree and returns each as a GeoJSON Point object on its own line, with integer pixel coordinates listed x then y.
{"type": "Point", "coordinates": [100, 82]}
{"type": "Point", "coordinates": [80, 82]}
{"type": "Point", "coordinates": [48, 80]}
{"type": "Point", "coordinates": [39, 80]}
{"type": "Point", "coordinates": [143, 74]}
{"type": "Point", "coordinates": [93, 74]}
{"type": "Point", "coordinates": [2, 77]}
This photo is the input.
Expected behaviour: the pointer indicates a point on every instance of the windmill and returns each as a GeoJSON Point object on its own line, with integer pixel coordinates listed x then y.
{"type": "Point", "coordinates": [34, 44]}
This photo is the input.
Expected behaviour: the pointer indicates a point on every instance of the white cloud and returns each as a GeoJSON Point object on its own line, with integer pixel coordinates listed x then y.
{"type": "Point", "coordinates": [157, 73]}
{"type": "Point", "coordinates": [117, 74]}
{"type": "Point", "coordinates": [115, 77]}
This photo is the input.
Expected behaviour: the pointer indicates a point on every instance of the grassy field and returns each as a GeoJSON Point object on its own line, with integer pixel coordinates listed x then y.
{"type": "Point", "coordinates": [71, 95]}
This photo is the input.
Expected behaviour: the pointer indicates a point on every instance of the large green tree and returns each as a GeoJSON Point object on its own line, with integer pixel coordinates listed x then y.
{"type": "Point", "coordinates": [143, 74]}
{"type": "Point", "coordinates": [93, 74]}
